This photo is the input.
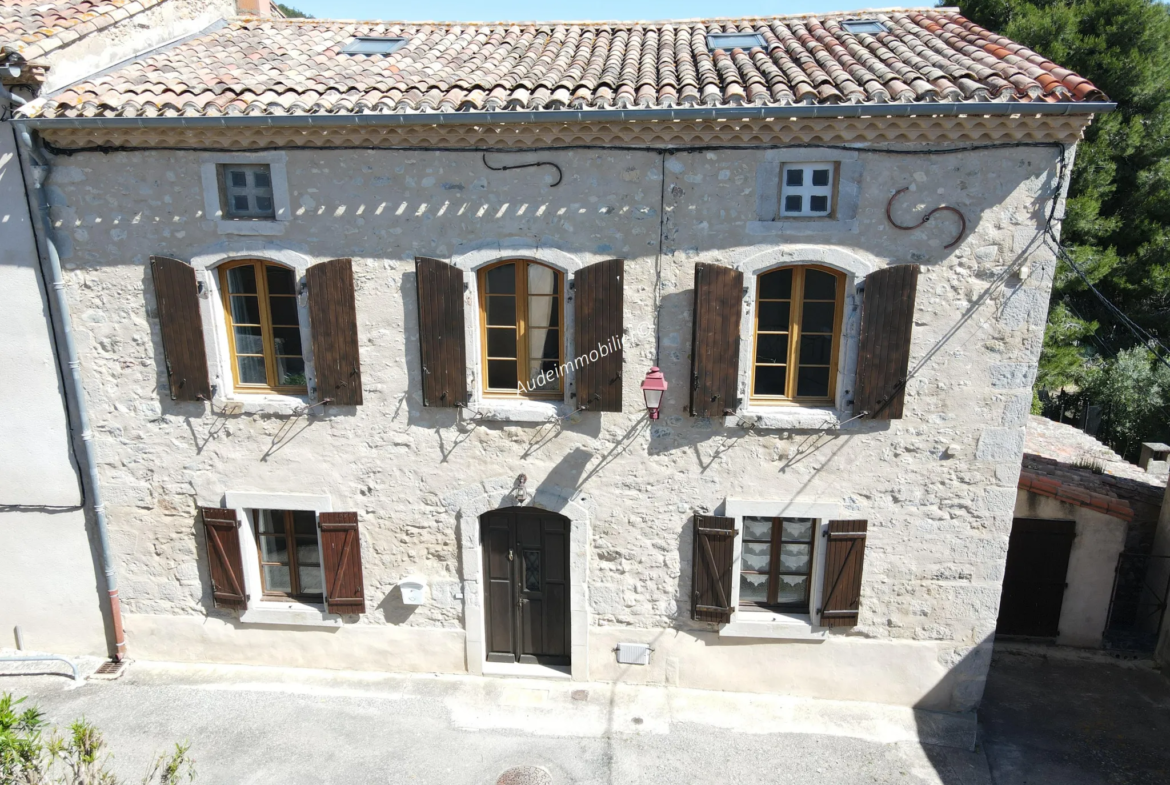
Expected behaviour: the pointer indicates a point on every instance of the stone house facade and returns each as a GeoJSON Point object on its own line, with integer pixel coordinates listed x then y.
{"type": "Point", "coordinates": [303, 316]}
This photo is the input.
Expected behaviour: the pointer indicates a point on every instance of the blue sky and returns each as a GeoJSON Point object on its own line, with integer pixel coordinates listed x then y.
{"type": "Point", "coordinates": [529, 10]}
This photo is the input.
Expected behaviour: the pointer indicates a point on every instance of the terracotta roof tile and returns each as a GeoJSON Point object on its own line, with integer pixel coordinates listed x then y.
{"type": "Point", "coordinates": [278, 67]}
{"type": "Point", "coordinates": [37, 27]}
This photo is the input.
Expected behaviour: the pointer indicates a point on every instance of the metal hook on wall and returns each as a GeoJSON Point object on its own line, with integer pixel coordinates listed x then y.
{"type": "Point", "coordinates": [560, 174]}
{"type": "Point", "coordinates": [927, 217]}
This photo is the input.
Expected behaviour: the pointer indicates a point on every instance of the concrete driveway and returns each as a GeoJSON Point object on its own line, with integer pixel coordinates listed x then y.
{"type": "Point", "coordinates": [1056, 717]}
{"type": "Point", "coordinates": [249, 726]}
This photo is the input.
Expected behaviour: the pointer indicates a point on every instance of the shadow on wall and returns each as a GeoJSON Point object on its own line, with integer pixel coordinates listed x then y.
{"type": "Point", "coordinates": [948, 739]}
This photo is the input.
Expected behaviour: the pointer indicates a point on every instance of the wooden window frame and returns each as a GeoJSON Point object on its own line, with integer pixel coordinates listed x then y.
{"type": "Point", "coordinates": [795, 313]}
{"type": "Point", "coordinates": [294, 571]}
{"type": "Point", "coordinates": [834, 190]}
{"type": "Point", "coordinates": [774, 571]}
{"type": "Point", "coordinates": [266, 332]}
{"type": "Point", "coordinates": [226, 210]}
{"type": "Point", "coordinates": [521, 295]}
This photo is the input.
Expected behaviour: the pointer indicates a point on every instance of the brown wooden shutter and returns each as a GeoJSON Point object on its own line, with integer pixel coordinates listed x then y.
{"type": "Point", "coordinates": [341, 556]}
{"type": "Point", "coordinates": [440, 333]}
{"type": "Point", "coordinates": [711, 568]}
{"type": "Point", "coordinates": [598, 305]}
{"type": "Point", "coordinates": [333, 322]}
{"type": "Point", "coordinates": [222, 528]}
{"type": "Point", "coordinates": [177, 295]}
{"type": "Point", "coordinates": [715, 340]}
{"type": "Point", "coordinates": [841, 589]}
{"type": "Point", "coordinates": [883, 356]}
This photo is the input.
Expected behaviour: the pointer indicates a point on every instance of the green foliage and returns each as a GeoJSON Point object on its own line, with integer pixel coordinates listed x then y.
{"type": "Point", "coordinates": [75, 758]}
{"type": "Point", "coordinates": [1117, 225]}
{"type": "Point", "coordinates": [1135, 393]}
{"type": "Point", "coordinates": [292, 13]}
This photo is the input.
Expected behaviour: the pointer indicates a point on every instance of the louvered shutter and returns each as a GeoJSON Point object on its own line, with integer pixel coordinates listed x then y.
{"type": "Point", "coordinates": [715, 340]}
{"type": "Point", "coordinates": [711, 566]}
{"type": "Point", "coordinates": [177, 294]}
{"type": "Point", "coordinates": [598, 305]}
{"type": "Point", "coordinates": [341, 557]}
{"type": "Point", "coordinates": [883, 355]}
{"type": "Point", "coordinates": [222, 529]}
{"type": "Point", "coordinates": [440, 333]}
{"type": "Point", "coordinates": [333, 323]}
{"type": "Point", "coordinates": [844, 559]}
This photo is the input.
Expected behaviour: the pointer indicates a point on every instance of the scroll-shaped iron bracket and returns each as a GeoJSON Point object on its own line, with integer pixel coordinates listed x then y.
{"type": "Point", "coordinates": [927, 217]}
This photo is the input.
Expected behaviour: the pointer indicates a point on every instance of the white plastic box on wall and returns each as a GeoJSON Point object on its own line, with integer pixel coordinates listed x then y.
{"type": "Point", "coordinates": [413, 590]}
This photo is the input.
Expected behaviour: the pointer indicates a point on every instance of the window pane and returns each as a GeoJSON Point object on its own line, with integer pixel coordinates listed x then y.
{"type": "Point", "coordinates": [252, 370]}
{"type": "Point", "coordinates": [502, 279]}
{"type": "Point", "coordinates": [240, 203]}
{"type": "Point", "coordinates": [261, 179]}
{"type": "Point", "coordinates": [264, 203]}
{"type": "Point", "coordinates": [820, 176]}
{"type": "Point", "coordinates": [819, 285]}
{"type": "Point", "coordinates": [794, 176]}
{"type": "Point", "coordinates": [283, 310]}
{"type": "Point", "coordinates": [817, 317]}
{"type": "Point", "coordinates": [543, 344]}
{"type": "Point", "coordinates": [793, 204]}
{"type": "Point", "coordinates": [531, 570]}
{"type": "Point", "coordinates": [311, 582]}
{"type": "Point", "coordinates": [757, 529]}
{"type": "Point", "coordinates": [274, 548]}
{"type": "Point", "coordinates": [770, 380]}
{"type": "Point", "coordinates": [794, 558]}
{"type": "Point", "coordinates": [797, 529]}
{"type": "Point", "coordinates": [816, 204]}
{"type": "Point", "coordinates": [816, 349]}
{"type": "Point", "coordinates": [242, 280]}
{"type": "Point", "coordinates": [308, 554]}
{"type": "Point", "coordinates": [501, 310]}
{"type": "Point", "coordinates": [290, 372]}
{"type": "Point", "coordinates": [753, 588]}
{"type": "Point", "coordinates": [773, 315]}
{"type": "Point", "coordinates": [757, 556]}
{"type": "Point", "coordinates": [791, 589]}
{"type": "Point", "coordinates": [280, 280]}
{"type": "Point", "coordinates": [239, 179]}
{"type": "Point", "coordinates": [249, 340]}
{"type": "Point", "coordinates": [776, 285]}
{"type": "Point", "coordinates": [288, 340]}
{"type": "Point", "coordinates": [502, 374]}
{"type": "Point", "coordinates": [276, 579]}
{"type": "Point", "coordinates": [772, 348]}
{"type": "Point", "coordinates": [536, 367]}
{"type": "Point", "coordinates": [266, 520]}
{"type": "Point", "coordinates": [245, 309]}
{"type": "Point", "coordinates": [812, 383]}
{"type": "Point", "coordinates": [501, 342]}
{"type": "Point", "coordinates": [305, 524]}
{"type": "Point", "coordinates": [543, 311]}
{"type": "Point", "coordinates": [541, 279]}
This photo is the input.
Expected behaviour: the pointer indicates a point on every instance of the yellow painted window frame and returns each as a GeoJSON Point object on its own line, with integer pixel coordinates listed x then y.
{"type": "Point", "coordinates": [266, 333]}
{"type": "Point", "coordinates": [521, 295]}
{"type": "Point", "coordinates": [795, 312]}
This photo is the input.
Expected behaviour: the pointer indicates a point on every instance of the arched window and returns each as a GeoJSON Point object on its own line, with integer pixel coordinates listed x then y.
{"type": "Point", "coordinates": [797, 335]}
{"type": "Point", "coordinates": [522, 315]}
{"type": "Point", "coordinates": [263, 324]}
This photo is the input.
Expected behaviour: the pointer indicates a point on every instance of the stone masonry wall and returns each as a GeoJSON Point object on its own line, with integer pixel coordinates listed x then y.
{"type": "Point", "coordinates": [937, 486]}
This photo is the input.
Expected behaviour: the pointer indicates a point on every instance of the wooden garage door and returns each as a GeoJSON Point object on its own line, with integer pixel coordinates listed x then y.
{"type": "Point", "coordinates": [1034, 579]}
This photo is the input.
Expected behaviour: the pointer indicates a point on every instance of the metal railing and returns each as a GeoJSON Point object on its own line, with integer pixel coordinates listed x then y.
{"type": "Point", "coordinates": [1137, 604]}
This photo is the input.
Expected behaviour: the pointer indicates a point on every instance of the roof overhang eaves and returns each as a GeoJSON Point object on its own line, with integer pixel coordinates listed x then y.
{"type": "Point", "coordinates": [681, 114]}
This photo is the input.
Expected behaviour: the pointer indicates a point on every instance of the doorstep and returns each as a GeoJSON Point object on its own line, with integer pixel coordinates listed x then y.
{"type": "Point", "coordinates": [526, 670]}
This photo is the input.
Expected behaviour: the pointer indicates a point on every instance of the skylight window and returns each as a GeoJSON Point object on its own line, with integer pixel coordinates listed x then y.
{"type": "Point", "coordinates": [864, 26]}
{"type": "Point", "coordinates": [729, 41]}
{"type": "Point", "coordinates": [373, 46]}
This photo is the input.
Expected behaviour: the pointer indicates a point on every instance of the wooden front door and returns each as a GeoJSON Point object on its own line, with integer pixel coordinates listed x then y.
{"type": "Point", "coordinates": [1034, 577]}
{"type": "Point", "coordinates": [526, 585]}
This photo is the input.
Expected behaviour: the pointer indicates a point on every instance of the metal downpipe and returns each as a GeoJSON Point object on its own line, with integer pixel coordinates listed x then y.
{"type": "Point", "coordinates": [74, 388]}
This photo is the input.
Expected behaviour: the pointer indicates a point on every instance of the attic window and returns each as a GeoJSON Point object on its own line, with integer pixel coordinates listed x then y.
{"type": "Point", "coordinates": [373, 46]}
{"type": "Point", "coordinates": [864, 26]}
{"type": "Point", "coordinates": [729, 41]}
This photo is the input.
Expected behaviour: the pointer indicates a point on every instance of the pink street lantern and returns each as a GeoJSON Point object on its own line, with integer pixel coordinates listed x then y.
{"type": "Point", "coordinates": [653, 386]}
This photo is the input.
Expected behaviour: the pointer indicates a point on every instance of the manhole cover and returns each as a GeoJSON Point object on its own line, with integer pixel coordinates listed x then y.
{"type": "Point", "coordinates": [525, 775]}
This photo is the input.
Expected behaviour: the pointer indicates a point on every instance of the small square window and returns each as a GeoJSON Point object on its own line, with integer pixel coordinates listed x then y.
{"type": "Point", "coordinates": [864, 26]}
{"type": "Point", "coordinates": [729, 41]}
{"type": "Point", "coordinates": [246, 191]}
{"type": "Point", "coordinates": [806, 191]}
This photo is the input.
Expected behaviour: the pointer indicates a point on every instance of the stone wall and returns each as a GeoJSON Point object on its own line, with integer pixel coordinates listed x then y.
{"type": "Point", "coordinates": [937, 487]}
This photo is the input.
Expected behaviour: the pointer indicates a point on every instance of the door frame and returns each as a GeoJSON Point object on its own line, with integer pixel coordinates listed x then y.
{"type": "Point", "coordinates": [471, 502]}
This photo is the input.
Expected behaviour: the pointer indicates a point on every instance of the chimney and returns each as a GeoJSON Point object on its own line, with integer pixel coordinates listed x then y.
{"type": "Point", "coordinates": [1155, 458]}
{"type": "Point", "coordinates": [254, 7]}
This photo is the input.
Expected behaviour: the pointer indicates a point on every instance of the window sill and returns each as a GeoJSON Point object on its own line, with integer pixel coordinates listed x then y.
{"type": "Point", "coordinates": [287, 405]}
{"type": "Point", "coordinates": [794, 226]}
{"type": "Point", "coordinates": [776, 626]}
{"type": "Point", "coordinates": [269, 228]}
{"type": "Point", "coordinates": [289, 614]}
{"type": "Point", "coordinates": [787, 418]}
{"type": "Point", "coordinates": [517, 411]}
